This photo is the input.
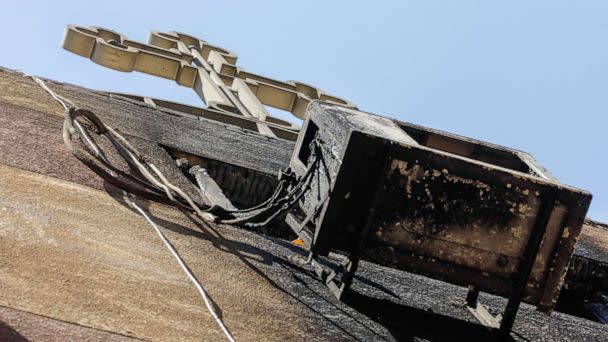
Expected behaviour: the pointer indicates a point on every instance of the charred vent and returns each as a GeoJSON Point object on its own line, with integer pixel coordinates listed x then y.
{"type": "Point", "coordinates": [243, 187]}
{"type": "Point", "coordinates": [585, 290]}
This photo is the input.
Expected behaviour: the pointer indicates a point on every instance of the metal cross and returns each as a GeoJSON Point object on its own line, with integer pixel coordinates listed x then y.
{"type": "Point", "coordinates": [208, 69]}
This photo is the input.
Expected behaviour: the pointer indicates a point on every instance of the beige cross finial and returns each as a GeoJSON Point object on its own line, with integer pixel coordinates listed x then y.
{"type": "Point", "coordinates": [194, 63]}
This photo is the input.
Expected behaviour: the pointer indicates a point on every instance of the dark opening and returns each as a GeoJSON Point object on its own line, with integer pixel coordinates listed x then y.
{"type": "Point", "coordinates": [311, 131]}
{"type": "Point", "coordinates": [484, 153]}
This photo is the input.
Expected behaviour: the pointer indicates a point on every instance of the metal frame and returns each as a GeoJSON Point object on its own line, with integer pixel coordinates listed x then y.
{"type": "Point", "coordinates": [339, 278]}
{"type": "Point", "coordinates": [330, 234]}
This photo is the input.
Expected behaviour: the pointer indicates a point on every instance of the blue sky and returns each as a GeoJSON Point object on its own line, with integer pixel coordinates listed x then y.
{"type": "Point", "coordinates": [531, 75]}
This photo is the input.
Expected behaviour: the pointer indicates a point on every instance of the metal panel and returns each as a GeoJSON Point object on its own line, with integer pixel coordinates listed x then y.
{"type": "Point", "coordinates": [448, 207]}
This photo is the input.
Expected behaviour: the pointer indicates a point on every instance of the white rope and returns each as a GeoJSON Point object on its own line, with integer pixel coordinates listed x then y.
{"type": "Point", "coordinates": [62, 100]}
{"type": "Point", "coordinates": [64, 103]}
{"type": "Point", "coordinates": [186, 270]}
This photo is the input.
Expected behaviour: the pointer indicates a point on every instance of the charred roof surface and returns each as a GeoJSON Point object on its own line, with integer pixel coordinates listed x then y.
{"type": "Point", "coordinates": [78, 261]}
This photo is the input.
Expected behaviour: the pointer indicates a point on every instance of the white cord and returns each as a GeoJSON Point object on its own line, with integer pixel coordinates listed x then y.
{"type": "Point", "coordinates": [185, 268]}
{"type": "Point", "coordinates": [62, 100]}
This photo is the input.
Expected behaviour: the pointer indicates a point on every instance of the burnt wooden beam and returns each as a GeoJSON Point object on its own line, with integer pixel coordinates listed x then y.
{"type": "Point", "coordinates": [198, 136]}
{"type": "Point", "coordinates": [181, 131]}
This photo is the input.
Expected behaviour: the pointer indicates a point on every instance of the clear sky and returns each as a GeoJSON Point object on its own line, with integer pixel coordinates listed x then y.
{"type": "Point", "coordinates": [531, 75]}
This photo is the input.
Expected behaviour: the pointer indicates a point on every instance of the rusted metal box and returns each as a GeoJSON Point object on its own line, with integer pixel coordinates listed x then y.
{"type": "Point", "coordinates": [432, 203]}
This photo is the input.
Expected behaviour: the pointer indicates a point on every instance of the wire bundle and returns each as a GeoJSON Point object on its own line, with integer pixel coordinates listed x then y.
{"type": "Point", "coordinates": [148, 182]}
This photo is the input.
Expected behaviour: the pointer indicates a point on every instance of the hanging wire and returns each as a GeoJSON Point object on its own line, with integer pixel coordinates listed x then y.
{"type": "Point", "coordinates": [70, 127]}
{"type": "Point", "coordinates": [153, 185]}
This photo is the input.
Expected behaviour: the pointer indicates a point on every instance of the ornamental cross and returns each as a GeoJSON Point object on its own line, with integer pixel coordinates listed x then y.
{"type": "Point", "coordinates": [210, 70]}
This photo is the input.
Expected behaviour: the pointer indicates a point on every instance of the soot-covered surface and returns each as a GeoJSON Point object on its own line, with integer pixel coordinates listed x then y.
{"type": "Point", "coordinates": [78, 255]}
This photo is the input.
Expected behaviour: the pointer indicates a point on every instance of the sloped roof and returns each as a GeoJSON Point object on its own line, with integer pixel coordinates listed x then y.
{"type": "Point", "coordinates": [74, 257]}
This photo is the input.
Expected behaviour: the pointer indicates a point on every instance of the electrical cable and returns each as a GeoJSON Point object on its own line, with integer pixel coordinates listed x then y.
{"type": "Point", "coordinates": [151, 183]}
{"type": "Point", "coordinates": [70, 125]}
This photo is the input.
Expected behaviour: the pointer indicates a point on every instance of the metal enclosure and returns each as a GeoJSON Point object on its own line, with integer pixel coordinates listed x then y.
{"type": "Point", "coordinates": [432, 203]}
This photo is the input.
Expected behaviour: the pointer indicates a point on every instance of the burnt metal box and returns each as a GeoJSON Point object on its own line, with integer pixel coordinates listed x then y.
{"type": "Point", "coordinates": [436, 204]}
